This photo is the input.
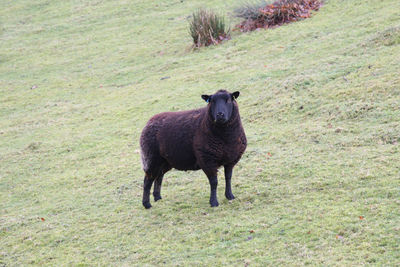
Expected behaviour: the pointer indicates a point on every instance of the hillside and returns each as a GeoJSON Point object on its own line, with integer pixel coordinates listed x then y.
{"type": "Point", "coordinates": [319, 183]}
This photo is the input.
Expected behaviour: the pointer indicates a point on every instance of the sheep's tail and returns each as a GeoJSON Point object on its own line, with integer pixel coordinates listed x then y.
{"type": "Point", "coordinates": [145, 165]}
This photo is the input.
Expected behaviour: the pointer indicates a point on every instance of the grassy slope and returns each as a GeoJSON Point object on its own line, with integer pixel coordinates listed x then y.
{"type": "Point", "coordinates": [79, 80]}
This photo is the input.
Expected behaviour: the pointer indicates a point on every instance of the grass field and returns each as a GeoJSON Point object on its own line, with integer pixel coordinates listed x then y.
{"type": "Point", "coordinates": [319, 183]}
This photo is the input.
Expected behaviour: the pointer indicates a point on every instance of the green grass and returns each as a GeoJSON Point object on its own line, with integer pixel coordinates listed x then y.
{"type": "Point", "coordinates": [79, 80]}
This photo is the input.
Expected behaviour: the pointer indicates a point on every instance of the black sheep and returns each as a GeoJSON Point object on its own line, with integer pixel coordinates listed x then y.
{"type": "Point", "coordinates": [204, 138]}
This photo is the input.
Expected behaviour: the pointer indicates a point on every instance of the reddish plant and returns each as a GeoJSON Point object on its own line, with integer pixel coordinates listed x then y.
{"type": "Point", "coordinates": [280, 12]}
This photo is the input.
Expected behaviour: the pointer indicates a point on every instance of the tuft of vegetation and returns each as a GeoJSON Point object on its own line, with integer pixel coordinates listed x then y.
{"type": "Point", "coordinates": [208, 28]}
{"type": "Point", "coordinates": [249, 9]}
{"type": "Point", "coordinates": [277, 13]}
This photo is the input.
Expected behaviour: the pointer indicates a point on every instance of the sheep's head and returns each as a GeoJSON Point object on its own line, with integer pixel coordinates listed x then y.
{"type": "Point", "coordinates": [221, 105]}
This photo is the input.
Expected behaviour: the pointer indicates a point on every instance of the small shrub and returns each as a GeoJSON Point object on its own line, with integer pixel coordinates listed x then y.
{"type": "Point", "coordinates": [280, 12]}
{"type": "Point", "coordinates": [249, 9]}
{"type": "Point", "coordinates": [207, 28]}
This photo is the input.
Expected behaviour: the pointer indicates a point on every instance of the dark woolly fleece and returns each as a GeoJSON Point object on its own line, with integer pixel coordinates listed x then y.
{"type": "Point", "coordinates": [191, 140]}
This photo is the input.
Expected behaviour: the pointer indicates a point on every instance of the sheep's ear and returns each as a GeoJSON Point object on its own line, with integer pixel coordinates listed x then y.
{"type": "Point", "coordinates": [206, 98]}
{"type": "Point", "coordinates": [235, 95]}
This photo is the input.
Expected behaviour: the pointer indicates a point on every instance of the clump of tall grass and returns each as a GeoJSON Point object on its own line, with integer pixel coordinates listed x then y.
{"type": "Point", "coordinates": [208, 28]}
{"type": "Point", "coordinates": [249, 9]}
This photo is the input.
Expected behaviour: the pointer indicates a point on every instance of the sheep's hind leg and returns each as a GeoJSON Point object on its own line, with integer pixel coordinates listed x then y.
{"type": "Point", "coordinates": [158, 181]}
{"type": "Point", "coordinates": [157, 188]}
{"type": "Point", "coordinates": [148, 181]}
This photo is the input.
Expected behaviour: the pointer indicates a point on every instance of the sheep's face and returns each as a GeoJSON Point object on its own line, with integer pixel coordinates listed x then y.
{"type": "Point", "coordinates": [221, 105]}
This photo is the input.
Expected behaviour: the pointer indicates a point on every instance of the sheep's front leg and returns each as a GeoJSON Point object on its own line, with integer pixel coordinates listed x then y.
{"type": "Point", "coordinates": [210, 169]}
{"type": "Point", "coordinates": [213, 196]}
{"type": "Point", "coordinates": [228, 175]}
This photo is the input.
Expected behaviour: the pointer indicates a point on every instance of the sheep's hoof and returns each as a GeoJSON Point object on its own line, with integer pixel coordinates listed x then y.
{"type": "Point", "coordinates": [147, 205]}
{"type": "Point", "coordinates": [214, 203]}
{"type": "Point", "coordinates": [229, 196]}
{"type": "Point", "coordinates": [157, 197]}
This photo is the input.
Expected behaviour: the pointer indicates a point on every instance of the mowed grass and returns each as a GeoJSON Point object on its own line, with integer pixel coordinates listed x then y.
{"type": "Point", "coordinates": [319, 183]}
